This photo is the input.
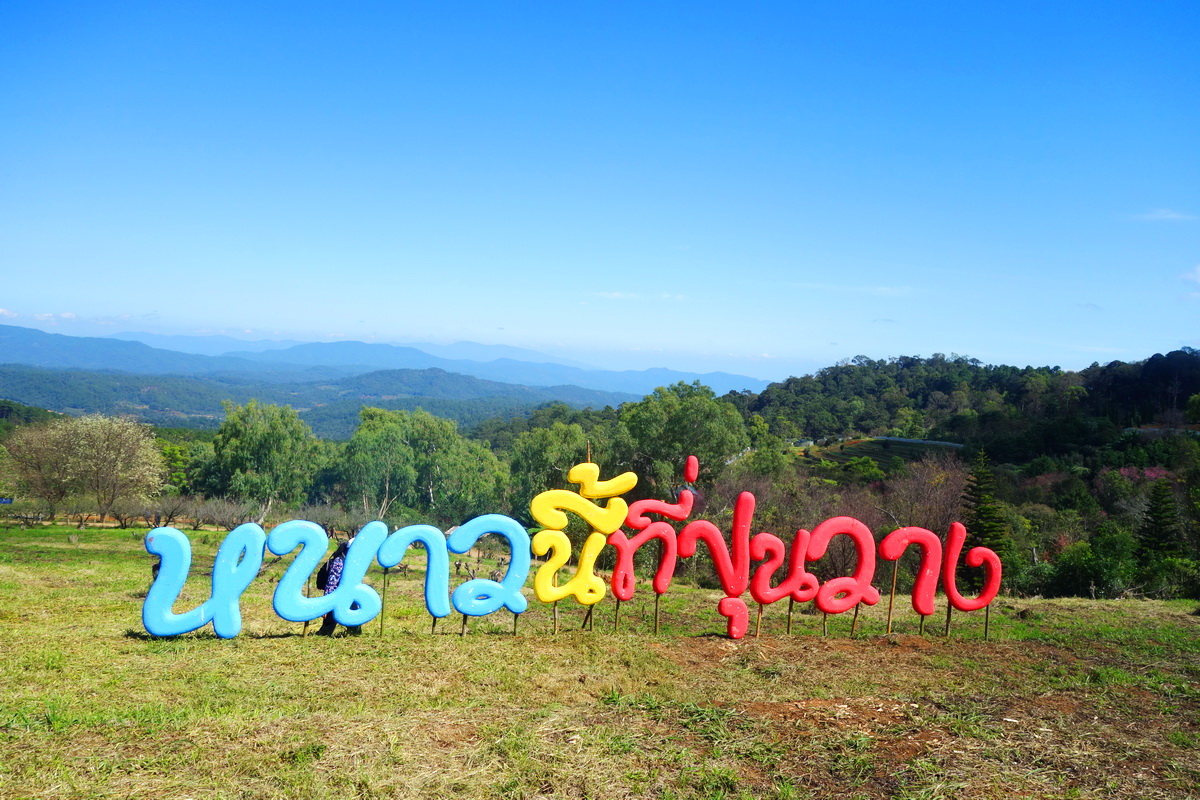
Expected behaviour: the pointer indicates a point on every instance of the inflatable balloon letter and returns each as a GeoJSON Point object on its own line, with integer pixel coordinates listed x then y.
{"type": "Point", "coordinates": [437, 562]}
{"type": "Point", "coordinates": [731, 561]}
{"type": "Point", "coordinates": [801, 584]}
{"type": "Point", "coordinates": [978, 556]}
{"type": "Point", "coordinates": [480, 597]}
{"type": "Point", "coordinates": [925, 586]}
{"type": "Point", "coordinates": [549, 508]}
{"type": "Point", "coordinates": [238, 560]}
{"type": "Point", "coordinates": [842, 594]}
{"type": "Point", "coordinates": [352, 602]}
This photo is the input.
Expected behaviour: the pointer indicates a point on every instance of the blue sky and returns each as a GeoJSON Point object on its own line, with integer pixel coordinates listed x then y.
{"type": "Point", "coordinates": [762, 188]}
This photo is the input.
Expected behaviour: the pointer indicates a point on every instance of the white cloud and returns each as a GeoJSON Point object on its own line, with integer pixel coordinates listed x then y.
{"type": "Point", "coordinates": [617, 295]}
{"type": "Point", "coordinates": [1164, 215]}
{"type": "Point", "coordinates": [4, 312]}
{"type": "Point", "coordinates": [68, 315]}
{"type": "Point", "coordinates": [43, 317]}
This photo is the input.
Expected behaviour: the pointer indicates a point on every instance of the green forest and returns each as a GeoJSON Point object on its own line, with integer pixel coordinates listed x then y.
{"type": "Point", "coordinates": [1086, 483]}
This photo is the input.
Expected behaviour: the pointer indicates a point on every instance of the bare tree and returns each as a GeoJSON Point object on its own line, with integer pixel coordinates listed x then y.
{"type": "Point", "coordinates": [929, 495]}
{"type": "Point", "coordinates": [8, 474]}
{"type": "Point", "coordinates": [166, 509]}
{"type": "Point", "coordinates": [105, 458]}
{"type": "Point", "coordinates": [228, 513]}
{"type": "Point", "coordinates": [125, 512]}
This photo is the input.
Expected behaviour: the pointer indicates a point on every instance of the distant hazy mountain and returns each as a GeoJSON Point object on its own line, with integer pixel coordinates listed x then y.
{"type": "Point", "coordinates": [36, 348]}
{"type": "Point", "coordinates": [333, 360]}
{"type": "Point", "coordinates": [386, 356]}
{"type": "Point", "coordinates": [219, 345]}
{"type": "Point", "coordinates": [215, 345]}
{"type": "Point", "coordinates": [473, 351]}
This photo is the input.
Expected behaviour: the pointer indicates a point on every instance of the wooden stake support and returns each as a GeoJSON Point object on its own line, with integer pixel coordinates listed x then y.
{"type": "Point", "coordinates": [758, 621]}
{"type": "Point", "coordinates": [383, 602]}
{"type": "Point", "coordinates": [824, 624]}
{"type": "Point", "coordinates": [617, 616]}
{"type": "Point", "coordinates": [854, 623]}
{"type": "Point", "coordinates": [307, 593]}
{"type": "Point", "coordinates": [949, 611]}
{"type": "Point", "coordinates": [892, 598]}
{"type": "Point", "coordinates": [463, 632]}
{"type": "Point", "coordinates": [987, 618]}
{"type": "Point", "coordinates": [657, 597]}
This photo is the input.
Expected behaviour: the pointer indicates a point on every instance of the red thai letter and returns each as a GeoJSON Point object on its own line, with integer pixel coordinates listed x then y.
{"type": "Point", "coordinates": [976, 557]}
{"type": "Point", "coordinates": [732, 561]}
{"type": "Point", "coordinates": [842, 594]}
{"type": "Point", "coordinates": [799, 583]}
{"type": "Point", "coordinates": [623, 580]}
{"type": "Point", "coordinates": [925, 586]}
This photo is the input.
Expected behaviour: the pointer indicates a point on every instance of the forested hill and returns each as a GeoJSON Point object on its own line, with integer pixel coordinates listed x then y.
{"type": "Point", "coordinates": [13, 415]}
{"type": "Point", "coordinates": [1015, 412]}
{"type": "Point", "coordinates": [330, 407]}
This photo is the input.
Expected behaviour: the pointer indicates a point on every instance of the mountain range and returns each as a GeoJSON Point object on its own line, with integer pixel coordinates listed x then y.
{"type": "Point", "coordinates": [313, 361]}
{"type": "Point", "coordinates": [216, 345]}
{"type": "Point", "coordinates": [326, 382]}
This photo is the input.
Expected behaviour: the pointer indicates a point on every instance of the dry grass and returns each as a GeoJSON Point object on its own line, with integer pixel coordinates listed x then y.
{"type": "Point", "coordinates": [1068, 699]}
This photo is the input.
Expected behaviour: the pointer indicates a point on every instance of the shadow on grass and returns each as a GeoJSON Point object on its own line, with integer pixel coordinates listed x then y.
{"type": "Point", "coordinates": [143, 636]}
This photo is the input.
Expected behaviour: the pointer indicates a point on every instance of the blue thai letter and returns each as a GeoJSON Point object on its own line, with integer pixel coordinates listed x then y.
{"type": "Point", "coordinates": [480, 597]}
{"type": "Point", "coordinates": [352, 602]}
{"type": "Point", "coordinates": [237, 563]}
{"type": "Point", "coordinates": [437, 562]}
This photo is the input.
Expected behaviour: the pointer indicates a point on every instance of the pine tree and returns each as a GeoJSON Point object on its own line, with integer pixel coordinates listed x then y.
{"type": "Point", "coordinates": [985, 522]}
{"type": "Point", "coordinates": [1159, 532]}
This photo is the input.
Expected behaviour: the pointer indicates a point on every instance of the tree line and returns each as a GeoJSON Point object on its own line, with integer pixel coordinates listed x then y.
{"type": "Point", "coordinates": [1086, 482]}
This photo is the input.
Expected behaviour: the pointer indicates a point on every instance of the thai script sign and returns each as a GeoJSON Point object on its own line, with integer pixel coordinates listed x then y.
{"type": "Point", "coordinates": [354, 602]}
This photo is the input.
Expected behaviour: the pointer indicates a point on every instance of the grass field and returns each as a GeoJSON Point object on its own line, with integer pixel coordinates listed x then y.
{"type": "Point", "coordinates": [1069, 698]}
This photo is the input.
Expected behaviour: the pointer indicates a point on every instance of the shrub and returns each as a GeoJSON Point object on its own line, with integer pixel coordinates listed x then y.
{"type": "Point", "coordinates": [1032, 580]}
{"type": "Point", "coordinates": [1172, 578]}
{"type": "Point", "coordinates": [1105, 566]}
